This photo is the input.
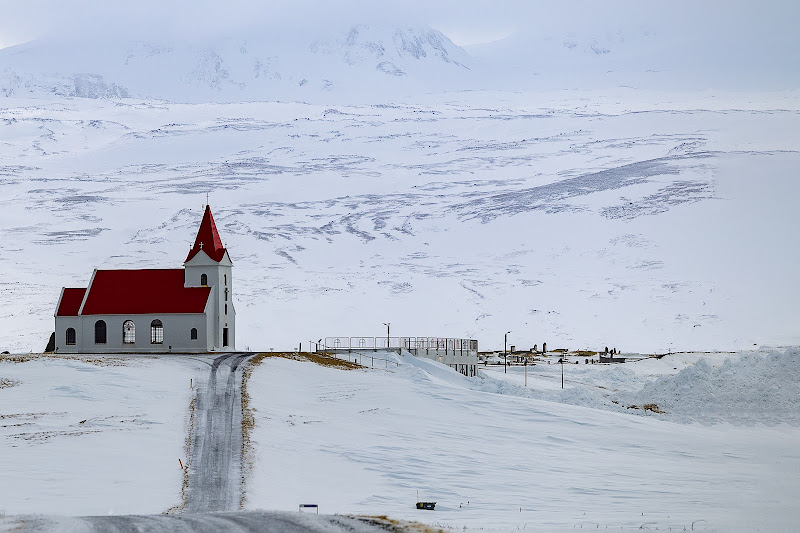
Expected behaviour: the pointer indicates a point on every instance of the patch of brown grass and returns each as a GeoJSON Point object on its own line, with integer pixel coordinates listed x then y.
{"type": "Point", "coordinates": [99, 360]}
{"type": "Point", "coordinates": [648, 407]}
{"type": "Point", "coordinates": [316, 358]}
{"type": "Point", "coordinates": [398, 526]}
{"type": "Point", "coordinates": [248, 424]}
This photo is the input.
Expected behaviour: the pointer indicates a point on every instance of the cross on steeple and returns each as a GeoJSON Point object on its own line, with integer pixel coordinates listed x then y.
{"type": "Point", "coordinates": [201, 245]}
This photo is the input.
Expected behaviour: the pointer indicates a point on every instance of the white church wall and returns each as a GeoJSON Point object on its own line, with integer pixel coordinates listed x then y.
{"type": "Point", "coordinates": [62, 324]}
{"type": "Point", "coordinates": [177, 333]}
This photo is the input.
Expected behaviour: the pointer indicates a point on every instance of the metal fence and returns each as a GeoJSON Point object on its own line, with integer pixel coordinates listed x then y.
{"type": "Point", "coordinates": [412, 344]}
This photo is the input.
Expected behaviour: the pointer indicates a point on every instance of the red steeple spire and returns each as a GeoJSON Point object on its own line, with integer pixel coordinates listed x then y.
{"type": "Point", "coordinates": [208, 239]}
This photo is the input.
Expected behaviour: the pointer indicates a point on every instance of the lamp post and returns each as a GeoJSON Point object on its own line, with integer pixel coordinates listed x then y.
{"type": "Point", "coordinates": [562, 370]}
{"type": "Point", "coordinates": [387, 333]}
{"type": "Point", "coordinates": [505, 352]}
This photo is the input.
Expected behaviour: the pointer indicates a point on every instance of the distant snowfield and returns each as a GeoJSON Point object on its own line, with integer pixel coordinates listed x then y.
{"type": "Point", "coordinates": [491, 452]}
{"type": "Point", "coordinates": [641, 220]}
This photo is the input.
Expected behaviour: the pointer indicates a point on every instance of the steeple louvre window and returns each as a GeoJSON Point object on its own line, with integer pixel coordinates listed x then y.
{"type": "Point", "coordinates": [203, 280]}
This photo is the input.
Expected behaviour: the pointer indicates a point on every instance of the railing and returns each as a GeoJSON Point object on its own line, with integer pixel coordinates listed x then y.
{"type": "Point", "coordinates": [412, 344]}
{"type": "Point", "coordinates": [361, 358]}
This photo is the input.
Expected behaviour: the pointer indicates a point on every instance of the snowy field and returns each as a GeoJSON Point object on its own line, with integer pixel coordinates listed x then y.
{"type": "Point", "coordinates": [82, 438]}
{"type": "Point", "coordinates": [648, 221]}
{"type": "Point", "coordinates": [367, 441]}
{"type": "Point", "coordinates": [94, 434]}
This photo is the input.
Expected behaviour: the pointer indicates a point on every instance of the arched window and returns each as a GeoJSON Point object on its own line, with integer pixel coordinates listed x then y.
{"type": "Point", "coordinates": [193, 334]}
{"type": "Point", "coordinates": [70, 337]}
{"type": "Point", "coordinates": [226, 309]}
{"type": "Point", "coordinates": [128, 332]}
{"type": "Point", "coordinates": [100, 332]}
{"type": "Point", "coordinates": [226, 279]}
{"type": "Point", "coordinates": [203, 280]}
{"type": "Point", "coordinates": [156, 332]}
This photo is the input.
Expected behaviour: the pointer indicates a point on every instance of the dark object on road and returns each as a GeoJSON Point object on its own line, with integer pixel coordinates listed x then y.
{"type": "Point", "coordinates": [426, 505]}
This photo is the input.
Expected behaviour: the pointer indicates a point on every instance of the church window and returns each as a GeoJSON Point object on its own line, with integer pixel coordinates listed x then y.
{"type": "Point", "coordinates": [156, 332]}
{"type": "Point", "coordinates": [193, 334]}
{"type": "Point", "coordinates": [226, 279]}
{"type": "Point", "coordinates": [203, 280]}
{"type": "Point", "coordinates": [226, 295]}
{"type": "Point", "coordinates": [128, 332]}
{"type": "Point", "coordinates": [100, 332]}
{"type": "Point", "coordinates": [226, 309]}
{"type": "Point", "coordinates": [70, 337]}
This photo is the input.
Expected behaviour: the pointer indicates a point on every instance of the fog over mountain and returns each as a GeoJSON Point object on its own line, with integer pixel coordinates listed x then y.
{"type": "Point", "coordinates": [355, 51]}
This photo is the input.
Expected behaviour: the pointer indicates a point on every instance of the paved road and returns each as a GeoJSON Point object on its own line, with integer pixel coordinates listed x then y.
{"type": "Point", "coordinates": [215, 465]}
{"type": "Point", "coordinates": [236, 522]}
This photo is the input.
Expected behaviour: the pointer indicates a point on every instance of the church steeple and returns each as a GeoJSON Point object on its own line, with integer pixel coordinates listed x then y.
{"type": "Point", "coordinates": [208, 239]}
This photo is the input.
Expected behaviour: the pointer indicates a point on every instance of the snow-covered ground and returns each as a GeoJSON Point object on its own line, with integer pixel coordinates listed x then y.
{"type": "Point", "coordinates": [643, 220]}
{"type": "Point", "coordinates": [367, 441]}
{"type": "Point", "coordinates": [82, 438]}
{"type": "Point", "coordinates": [94, 434]}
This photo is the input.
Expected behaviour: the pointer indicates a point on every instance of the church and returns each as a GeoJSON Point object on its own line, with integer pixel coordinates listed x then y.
{"type": "Point", "coordinates": [154, 310]}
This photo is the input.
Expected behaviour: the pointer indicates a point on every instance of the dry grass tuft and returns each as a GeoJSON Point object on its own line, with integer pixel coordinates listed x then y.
{"type": "Point", "coordinates": [187, 450]}
{"type": "Point", "coordinates": [390, 524]}
{"type": "Point", "coordinates": [7, 383]}
{"type": "Point", "coordinates": [648, 407]}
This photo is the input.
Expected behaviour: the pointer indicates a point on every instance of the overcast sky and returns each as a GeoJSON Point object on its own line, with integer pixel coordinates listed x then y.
{"type": "Point", "coordinates": [464, 21]}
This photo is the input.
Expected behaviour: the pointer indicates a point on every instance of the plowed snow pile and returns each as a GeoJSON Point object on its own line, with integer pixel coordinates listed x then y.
{"type": "Point", "coordinates": [756, 387]}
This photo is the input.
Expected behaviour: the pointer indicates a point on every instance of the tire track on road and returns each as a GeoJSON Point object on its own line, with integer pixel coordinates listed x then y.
{"type": "Point", "coordinates": [215, 465]}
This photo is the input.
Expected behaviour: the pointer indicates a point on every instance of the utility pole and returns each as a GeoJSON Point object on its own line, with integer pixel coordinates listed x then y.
{"type": "Point", "coordinates": [505, 353]}
{"type": "Point", "coordinates": [387, 324]}
{"type": "Point", "coordinates": [562, 370]}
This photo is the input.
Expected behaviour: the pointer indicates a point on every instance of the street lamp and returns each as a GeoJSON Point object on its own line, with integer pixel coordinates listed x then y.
{"type": "Point", "coordinates": [387, 333]}
{"type": "Point", "coordinates": [505, 353]}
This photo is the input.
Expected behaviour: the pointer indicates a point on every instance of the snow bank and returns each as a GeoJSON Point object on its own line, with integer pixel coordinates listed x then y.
{"type": "Point", "coordinates": [753, 388]}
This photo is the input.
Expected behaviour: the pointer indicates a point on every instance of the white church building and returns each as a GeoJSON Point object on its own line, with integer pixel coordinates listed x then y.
{"type": "Point", "coordinates": [154, 310]}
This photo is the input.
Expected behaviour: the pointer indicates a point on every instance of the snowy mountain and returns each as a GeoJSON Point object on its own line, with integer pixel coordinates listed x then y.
{"type": "Point", "coordinates": [642, 221]}
{"type": "Point", "coordinates": [352, 64]}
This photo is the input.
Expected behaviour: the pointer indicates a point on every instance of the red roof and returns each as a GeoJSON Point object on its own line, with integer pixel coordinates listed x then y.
{"type": "Point", "coordinates": [70, 302]}
{"type": "Point", "coordinates": [138, 292]}
{"type": "Point", "coordinates": [208, 239]}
